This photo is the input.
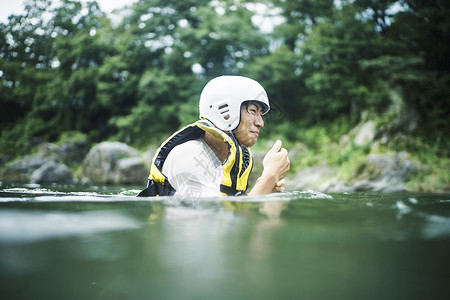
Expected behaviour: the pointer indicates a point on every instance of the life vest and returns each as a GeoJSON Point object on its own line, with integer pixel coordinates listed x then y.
{"type": "Point", "coordinates": [236, 168]}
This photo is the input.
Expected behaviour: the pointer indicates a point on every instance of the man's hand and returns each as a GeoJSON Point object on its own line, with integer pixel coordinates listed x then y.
{"type": "Point", "coordinates": [276, 162]}
{"type": "Point", "coordinates": [278, 188]}
{"type": "Point", "coordinates": [276, 165]}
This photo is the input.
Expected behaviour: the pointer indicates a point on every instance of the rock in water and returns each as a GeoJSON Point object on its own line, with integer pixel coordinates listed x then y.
{"type": "Point", "coordinates": [114, 163]}
{"type": "Point", "coordinates": [52, 172]}
{"type": "Point", "coordinates": [131, 171]}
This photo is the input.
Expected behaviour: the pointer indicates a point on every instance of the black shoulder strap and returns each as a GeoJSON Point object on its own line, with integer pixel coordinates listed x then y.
{"type": "Point", "coordinates": [189, 133]}
{"type": "Point", "coordinates": [165, 189]}
{"type": "Point", "coordinates": [245, 159]}
{"type": "Point", "coordinates": [157, 189]}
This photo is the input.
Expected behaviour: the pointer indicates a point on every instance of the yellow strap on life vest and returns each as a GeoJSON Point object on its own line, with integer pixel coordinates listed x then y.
{"type": "Point", "coordinates": [229, 163]}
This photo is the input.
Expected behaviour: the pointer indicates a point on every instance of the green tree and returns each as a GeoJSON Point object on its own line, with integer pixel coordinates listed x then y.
{"type": "Point", "coordinates": [49, 71]}
{"type": "Point", "coordinates": [26, 61]}
{"type": "Point", "coordinates": [65, 66]}
{"type": "Point", "coordinates": [331, 58]}
{"type": "Point", "coordinates": [164, 42]}
{"type": "Point", "coordinates": [424, 28]}
{"type": "Point", "coordinates": [222, 39]}
{"type": "Point", "coordinates": [147, 80]}
{"type": "Point", "coordinates": [300, 17]}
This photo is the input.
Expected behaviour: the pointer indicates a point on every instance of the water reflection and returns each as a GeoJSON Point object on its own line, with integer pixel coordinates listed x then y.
{"type": "Point", "coordinates": [215, 245]}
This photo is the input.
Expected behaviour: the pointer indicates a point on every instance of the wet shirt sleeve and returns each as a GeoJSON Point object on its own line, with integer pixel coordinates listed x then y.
{"type": "Point", "coordinates": [194, 170]}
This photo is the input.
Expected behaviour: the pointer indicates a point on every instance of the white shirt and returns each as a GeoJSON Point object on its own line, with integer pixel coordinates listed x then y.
{"type": "Point", "coordinates": [194, 170]}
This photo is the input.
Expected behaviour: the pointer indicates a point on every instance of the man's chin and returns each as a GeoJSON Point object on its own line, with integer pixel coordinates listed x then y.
{"type": "Point", "coordinates": [249, 144]}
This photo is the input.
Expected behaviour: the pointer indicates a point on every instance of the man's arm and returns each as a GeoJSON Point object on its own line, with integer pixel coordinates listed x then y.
{"type": "Point", "coordinates": [276, 165]}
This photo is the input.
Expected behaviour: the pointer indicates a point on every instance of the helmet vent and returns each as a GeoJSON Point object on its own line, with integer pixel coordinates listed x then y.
{"type": "Point", "coordinates": [224, 111]}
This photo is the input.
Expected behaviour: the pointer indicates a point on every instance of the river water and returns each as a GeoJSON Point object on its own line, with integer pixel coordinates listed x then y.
{"type": "Point", "coordinates": [69, 242]}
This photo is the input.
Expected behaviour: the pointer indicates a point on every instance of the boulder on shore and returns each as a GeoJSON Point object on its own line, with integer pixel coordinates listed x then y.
{"type": "Point", "coordinates": [52, 172]}
{"type": "Point", "coordinates": [310, 178]}
{"type": "Point", "coordinates": [114, 163]}
{"type": "Point", "coordinates": [386, 172]}
{"type": "Point", "coordinates": [46, 166]}
{"type": "Point", "coordinates": [365, 133]}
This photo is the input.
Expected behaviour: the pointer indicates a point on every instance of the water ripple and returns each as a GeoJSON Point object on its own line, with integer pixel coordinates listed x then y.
{"type": "Point", "coordinates": [24, 226]}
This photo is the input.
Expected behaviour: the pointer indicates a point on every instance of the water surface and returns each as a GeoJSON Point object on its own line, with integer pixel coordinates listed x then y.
{"type": "Point", "coordinates": [68, 242]}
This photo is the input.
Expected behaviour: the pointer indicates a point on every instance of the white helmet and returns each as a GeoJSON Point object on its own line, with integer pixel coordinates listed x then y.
{"type": "Point", "coordinates": [221, 99]}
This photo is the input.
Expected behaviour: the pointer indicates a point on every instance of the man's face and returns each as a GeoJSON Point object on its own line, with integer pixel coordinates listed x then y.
{"type": "Point", "coordinates": [251, 121]}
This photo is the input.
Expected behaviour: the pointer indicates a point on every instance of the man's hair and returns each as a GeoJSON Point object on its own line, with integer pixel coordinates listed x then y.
{"type": "Point", "coordinates": [247, 103]}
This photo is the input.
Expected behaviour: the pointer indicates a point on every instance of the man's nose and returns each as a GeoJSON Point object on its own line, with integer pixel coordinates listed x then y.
{"type": "Point", "coordinates": [258, 121]}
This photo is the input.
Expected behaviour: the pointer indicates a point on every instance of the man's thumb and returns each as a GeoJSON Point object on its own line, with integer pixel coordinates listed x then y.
{"type": "Point", "coordinates": [276, 147]}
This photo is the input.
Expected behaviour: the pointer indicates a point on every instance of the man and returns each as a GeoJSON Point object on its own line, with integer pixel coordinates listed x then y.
{"type": "Point", "coordinates": [211, 157]}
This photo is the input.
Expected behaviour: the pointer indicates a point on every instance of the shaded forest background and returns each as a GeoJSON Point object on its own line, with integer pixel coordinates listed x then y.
{"type": "Point", "coordinates": [68, 69]}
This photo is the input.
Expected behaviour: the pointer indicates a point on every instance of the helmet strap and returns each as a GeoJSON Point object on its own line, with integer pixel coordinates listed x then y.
{"type": "Point", "coordinates": [238, 145]}
{"type": "Point", "coordinates": [233, 137]}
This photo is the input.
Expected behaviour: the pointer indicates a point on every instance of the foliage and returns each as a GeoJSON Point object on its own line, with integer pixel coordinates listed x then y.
{"type": "Point", "coordinates": [66, 66]}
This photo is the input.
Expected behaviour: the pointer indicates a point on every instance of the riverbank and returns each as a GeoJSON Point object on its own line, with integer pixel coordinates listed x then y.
{"type": "Point", "coordinates": [332, 158]}
{"type": "Point", "coordinates": [371, 156]}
